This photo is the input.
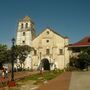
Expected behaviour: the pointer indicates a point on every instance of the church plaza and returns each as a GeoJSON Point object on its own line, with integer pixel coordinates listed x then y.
{"type": "Point", "coordinates": [50, 52]}
{"type": "Point", "coordinates": [65, 81]}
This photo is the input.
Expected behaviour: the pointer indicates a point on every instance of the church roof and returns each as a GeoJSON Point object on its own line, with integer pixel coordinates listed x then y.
{"type": "Point", "coordinates": [82, 43]}
{"type": "Point", "coordinates": [53, 32]}
{"type": "Point", "coordinates": [57, 33]}
{"type": "Point", "coordinates": [26, 18]}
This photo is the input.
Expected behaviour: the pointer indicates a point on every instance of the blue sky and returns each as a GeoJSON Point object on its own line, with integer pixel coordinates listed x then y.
{"type": "Point", "coordinates": [67, 17]}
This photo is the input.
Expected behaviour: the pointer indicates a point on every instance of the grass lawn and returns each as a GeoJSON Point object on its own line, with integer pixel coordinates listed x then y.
{"type": "Point", "coordinates": [41, 77]}
{"type": "Point", "coordinates": [35, 80]}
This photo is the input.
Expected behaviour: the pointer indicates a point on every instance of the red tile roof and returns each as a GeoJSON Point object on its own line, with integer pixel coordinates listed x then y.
{"type": "Point", "coordinates": [82, 43]}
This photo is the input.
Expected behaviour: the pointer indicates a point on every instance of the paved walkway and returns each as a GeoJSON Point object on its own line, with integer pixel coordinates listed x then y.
{"type": "Point", "coordinates": [80, 81]}
{"type": "Point", "coordinates": [69, 81]}
{"type": "Point", "coordinates": [59, 83]}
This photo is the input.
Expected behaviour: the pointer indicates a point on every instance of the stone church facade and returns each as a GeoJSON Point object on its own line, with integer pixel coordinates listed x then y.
{"type": "Point", "coordinates": [50, 48]}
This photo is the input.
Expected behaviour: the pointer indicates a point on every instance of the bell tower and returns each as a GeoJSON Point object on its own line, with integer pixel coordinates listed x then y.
{"type": "Point", "coordinates": [25, 32]}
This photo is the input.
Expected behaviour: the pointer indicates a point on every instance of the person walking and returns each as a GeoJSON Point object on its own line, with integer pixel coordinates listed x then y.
{"type": "Point", "coordinates": [6, 73]}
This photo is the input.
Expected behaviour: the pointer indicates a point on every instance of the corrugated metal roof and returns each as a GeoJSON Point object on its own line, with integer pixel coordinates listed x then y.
{"type": "Point", "coordinates": [82, 43]}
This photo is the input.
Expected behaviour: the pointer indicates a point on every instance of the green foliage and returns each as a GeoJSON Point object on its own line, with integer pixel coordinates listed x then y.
{"type": "Point", "coordinates": [82, 60]}
{"type": "Point", "coordinates": [42, 77]}
{"type": "Point", "coordinates": [21, 52]}
{"type": "Point", "coordinates": [3, 53]}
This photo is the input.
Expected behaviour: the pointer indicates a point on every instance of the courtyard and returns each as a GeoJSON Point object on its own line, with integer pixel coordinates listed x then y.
{"type": "Point", "coordinates": [76, 80]}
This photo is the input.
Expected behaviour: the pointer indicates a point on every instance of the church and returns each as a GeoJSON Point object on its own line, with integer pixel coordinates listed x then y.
{"type": "Point", "coordinates": [50, 48]}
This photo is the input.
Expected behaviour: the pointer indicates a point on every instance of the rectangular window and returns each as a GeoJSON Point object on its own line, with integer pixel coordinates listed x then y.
{"type": "Point", "coordinates": [47, 51]}
{"type": "Point", "coordinates": [22, 26]}
{"type": "Point", "coordinates": [35, 52]}
{"type": "Point", "coordinates": [26, 25]}
{"type": "Point", "coordinates": [61, 51]}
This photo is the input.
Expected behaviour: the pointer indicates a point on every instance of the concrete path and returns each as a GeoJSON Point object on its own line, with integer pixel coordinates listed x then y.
{"type": "Point", "coordinates": [80, 81]}
{"type": "Point", "coordinates": [69, 81]}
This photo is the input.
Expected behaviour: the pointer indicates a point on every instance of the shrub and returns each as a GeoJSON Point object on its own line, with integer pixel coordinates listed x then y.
{"type": "Point", "coordinates": [81, 62]}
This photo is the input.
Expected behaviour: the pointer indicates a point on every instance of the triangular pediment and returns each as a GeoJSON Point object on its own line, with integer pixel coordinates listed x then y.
{"type": "Point", "coordinates": [48, 31]}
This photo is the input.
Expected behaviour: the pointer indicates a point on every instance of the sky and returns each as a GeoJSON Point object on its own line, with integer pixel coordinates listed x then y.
{"type": "Point", "coordinates": [69, 18]}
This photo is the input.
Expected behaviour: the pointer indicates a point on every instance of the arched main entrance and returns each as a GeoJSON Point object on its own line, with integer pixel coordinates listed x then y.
{"type": "Point", "coordinates": [45, 64]}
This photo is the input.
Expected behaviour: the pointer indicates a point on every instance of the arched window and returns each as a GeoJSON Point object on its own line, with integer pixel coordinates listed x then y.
{"type": "Point", "coordinates": [21, 25]}
{"type": "Point", "coordinates": [23, 33]}
{"type": "Point", "coordinates": [26, 25]}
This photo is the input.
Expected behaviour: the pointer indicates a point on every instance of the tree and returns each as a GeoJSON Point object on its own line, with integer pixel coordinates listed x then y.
{"type": "Point", "coordinates": [3, 53]}
{"type": "Point", "coordinates": [88, 52]}
{"type": "Point", "coordinates": [21, 53]}
{"type": "Point", "coordinates": [82, 60]}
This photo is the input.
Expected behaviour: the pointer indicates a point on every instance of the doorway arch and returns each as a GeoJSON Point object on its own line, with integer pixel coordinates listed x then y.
{"type": "Point", "coordinates": [45, 64]}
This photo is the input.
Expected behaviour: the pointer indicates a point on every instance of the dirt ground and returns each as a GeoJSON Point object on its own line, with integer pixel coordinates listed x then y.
{"type": "Point", "coordinates": [62, 82]}
{"type": "Point", "coordinates": [59, 83]}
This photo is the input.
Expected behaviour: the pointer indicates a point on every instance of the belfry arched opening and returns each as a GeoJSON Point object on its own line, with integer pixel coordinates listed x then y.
{"type": "Point", "coordinates": [45, 64]}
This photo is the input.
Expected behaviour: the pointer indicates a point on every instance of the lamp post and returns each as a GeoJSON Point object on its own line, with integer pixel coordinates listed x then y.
{"type": "Point", "coordinates": [12, 62]}
{"type": "Point", "coordinates": [12, 82]}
